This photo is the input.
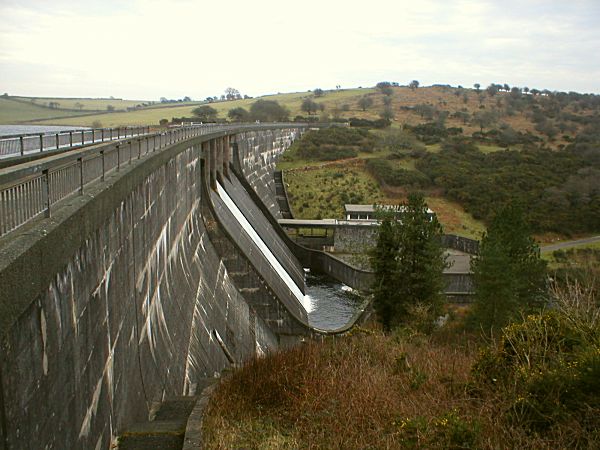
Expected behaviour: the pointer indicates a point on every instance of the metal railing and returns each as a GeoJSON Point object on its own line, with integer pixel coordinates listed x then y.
{"type": "Point", "coordinates": [39, 142]}
{"type": "Point", "coordinates": [27, 192]}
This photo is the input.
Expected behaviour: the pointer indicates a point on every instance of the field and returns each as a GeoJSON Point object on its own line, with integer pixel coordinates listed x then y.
{"type": "Point", "coordinates": [153, 114]}
{"type": "Point", "coordinates": [81, 104]}
{"type": "Point", "coordinates": [454, 103]}
{"type": "Point", "coordinates": [321, 192]}
{"type": "Point", "coordinates": [12, 112]}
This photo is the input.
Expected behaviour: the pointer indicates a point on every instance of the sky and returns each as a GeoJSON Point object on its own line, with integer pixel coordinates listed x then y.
{"type": "Point", "coordinates": [147, 49]}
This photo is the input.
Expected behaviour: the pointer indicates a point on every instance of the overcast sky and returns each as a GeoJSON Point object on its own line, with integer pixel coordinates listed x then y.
{"type": "Point", "coordinates": [146, 49]}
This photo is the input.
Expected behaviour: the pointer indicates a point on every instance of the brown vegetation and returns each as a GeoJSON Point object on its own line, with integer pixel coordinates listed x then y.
{"type": "Point", "coordinates": [407, 390]}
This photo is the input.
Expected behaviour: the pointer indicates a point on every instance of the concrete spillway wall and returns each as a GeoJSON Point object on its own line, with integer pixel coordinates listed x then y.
{"type": "Point", "coordinates": [129, 293]}
{"type": "Point", "coordinates": [257, 154]}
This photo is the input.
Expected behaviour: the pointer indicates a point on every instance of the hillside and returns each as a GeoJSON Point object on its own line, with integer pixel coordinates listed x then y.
{"type": "Point", "coordinates": [469, 154]}
{"type": "Point", "coordinates": [555, 117]}
{"type": "Point", "coordinates": [14, 112]}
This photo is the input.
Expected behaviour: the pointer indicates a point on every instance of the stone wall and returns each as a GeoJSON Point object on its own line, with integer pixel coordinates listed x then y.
{"type": "Point", "coordinates": [354, 239]}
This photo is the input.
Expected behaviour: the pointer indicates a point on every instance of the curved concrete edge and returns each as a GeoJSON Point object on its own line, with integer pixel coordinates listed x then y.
{"type": "Point", "coordinates": [38, 246]}
{"type": "Point", "coordinates": [206, 199]}
{"type": "Point", "coordinates": [193, 430]}
{"type": "Point", "coordinates": [297, 249]}
{"type": "Point", "coordinates": [314, 259]}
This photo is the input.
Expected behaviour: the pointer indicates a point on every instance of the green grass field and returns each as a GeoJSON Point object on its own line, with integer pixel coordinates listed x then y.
{"type": "Point", "coordinates": [12, 112]}
{"type": "Point", "coordinates": [320, 193]}
{"type": "Point", "coordinates": [490, 148]}
{"type": "Point", "coordinates": [83, 104]}
{"type": "Point", "coordinates": [153, 114]}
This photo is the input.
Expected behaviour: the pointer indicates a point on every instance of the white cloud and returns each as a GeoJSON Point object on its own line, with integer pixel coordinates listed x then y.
{"type": "Point", "coordinates": [146, 49]}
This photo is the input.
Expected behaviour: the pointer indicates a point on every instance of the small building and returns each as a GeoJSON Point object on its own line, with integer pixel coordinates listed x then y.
{"type": "Point", "coordinates": [367, 212]}
{"type": "Point", "coordinates": [359, 212]}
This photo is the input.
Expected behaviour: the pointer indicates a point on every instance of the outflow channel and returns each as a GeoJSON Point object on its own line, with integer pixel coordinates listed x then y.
{"type": "Point", "coordinates": [303, 299]}
{"type": "Point", "coordinates": [329, 304]}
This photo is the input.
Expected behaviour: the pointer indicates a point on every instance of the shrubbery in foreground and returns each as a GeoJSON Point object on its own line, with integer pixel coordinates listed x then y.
{"type": "Point", "coordinates": [537, 388]}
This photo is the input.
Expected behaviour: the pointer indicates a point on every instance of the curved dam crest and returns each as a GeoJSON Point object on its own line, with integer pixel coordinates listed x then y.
{"type": "Point", "coordinates": [135, 291]}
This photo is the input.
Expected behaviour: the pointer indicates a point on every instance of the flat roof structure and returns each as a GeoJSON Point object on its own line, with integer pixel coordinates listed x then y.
{"type": "Point", "coordinates": [367, 212]}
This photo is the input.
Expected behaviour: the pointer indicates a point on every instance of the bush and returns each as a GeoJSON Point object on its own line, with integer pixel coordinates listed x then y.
{"type": "Point", "coordinates": [328, 144]}
{"type": "Point", "coordinates": [549, 364]}
{"type": "Point", "coordinates": [433, 132]}
{"type": "Point", "coordinates": [365, 123]}
{"type": "Point", "coordinates": [386, 173]}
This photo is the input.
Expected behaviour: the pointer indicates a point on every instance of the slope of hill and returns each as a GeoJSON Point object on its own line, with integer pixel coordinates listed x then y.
{"type": "Point", "coordinates": [553, 117]}
{"type": "Point", "coordinates": [13, 112]}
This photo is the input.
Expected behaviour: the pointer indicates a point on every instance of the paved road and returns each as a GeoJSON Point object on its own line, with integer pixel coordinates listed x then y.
{"type": "Point", "coordinates": [567, 244]}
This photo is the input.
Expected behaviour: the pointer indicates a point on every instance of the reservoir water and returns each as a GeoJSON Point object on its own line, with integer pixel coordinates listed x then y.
{"type": "Point", "coordinates": [9, 130]}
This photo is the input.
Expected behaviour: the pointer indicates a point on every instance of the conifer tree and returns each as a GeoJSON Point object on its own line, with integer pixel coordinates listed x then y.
{"type": "Point", "coordinates": [508, 274]}
{"type": "Point", "coordinates": [408, 261]}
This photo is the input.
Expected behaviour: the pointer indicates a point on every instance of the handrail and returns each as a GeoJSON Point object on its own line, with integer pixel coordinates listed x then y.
{"type": "Point", "coordinates": [30, 189]}
{"type": "Point", "coordinates": [21, 144]}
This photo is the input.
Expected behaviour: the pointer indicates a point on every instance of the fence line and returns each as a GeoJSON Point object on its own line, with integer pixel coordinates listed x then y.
{"type": "Point", "coordinates": [23, 197]}
{"type": "Point", "coordinates": [40, 142]}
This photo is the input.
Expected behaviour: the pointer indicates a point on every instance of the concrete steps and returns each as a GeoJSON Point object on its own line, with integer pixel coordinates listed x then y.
{"type": "Point", "coordinates": [166, 429]}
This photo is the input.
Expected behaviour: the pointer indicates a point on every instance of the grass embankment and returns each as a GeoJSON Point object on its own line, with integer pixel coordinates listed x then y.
{"type": "Point", "coordinates": [537, 388]}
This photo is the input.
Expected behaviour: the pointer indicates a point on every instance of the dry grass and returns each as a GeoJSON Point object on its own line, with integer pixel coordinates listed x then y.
{"type": "Point", "coordinates": [369, 391]}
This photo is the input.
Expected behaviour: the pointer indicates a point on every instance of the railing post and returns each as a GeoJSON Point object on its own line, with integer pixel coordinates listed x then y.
{"type": "Point", "coordinates": [93, 135]}
{"type": "Point", "coordinates": [118, 157]}
{"type": "Point", "coordinates": [46, 191]}
{"type": "Point", "coordinates": [103, 164]}
{"type": "Point", "coordinates": [80, 163]}
{"type": "Point", "coordinates": [154, 143]}
{"type": "Point", "coordinates": [139, 141]}
{"type": "Point", "coordinates": [70, 139]}
{"type": "Point", "coordinates": [130, 151]}
{"type": "Point", "coordinates": [102, 134]}
{"type": "Point", "coordinates": [22, 145]}
{"type": "Point", "coordinates": [41, 142]}
{"type": "Point", "coordinates": [57, 143]}
{"type": "Point", "coordinates": [82, 137]}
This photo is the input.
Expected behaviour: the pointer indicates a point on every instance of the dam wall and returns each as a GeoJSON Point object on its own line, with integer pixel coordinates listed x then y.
{"type": "Point", "coordinates": [256, 158]}
{"type": "Point", "coordinates": [129, 294]}
{"type": "Point", "coordinates": [265, 199]}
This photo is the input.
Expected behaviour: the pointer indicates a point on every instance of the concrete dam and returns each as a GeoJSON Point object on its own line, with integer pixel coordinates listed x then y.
{"type": "Point", "coordinates": [126, 277]}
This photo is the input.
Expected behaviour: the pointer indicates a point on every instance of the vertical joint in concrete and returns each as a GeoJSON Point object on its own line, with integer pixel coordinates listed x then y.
{"type": "Point", "coordinates": [212, 163]}
{"type": "Point", "coordinates": [226, 155]}
{"type": "Point", "coordinates": [219, 161]}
